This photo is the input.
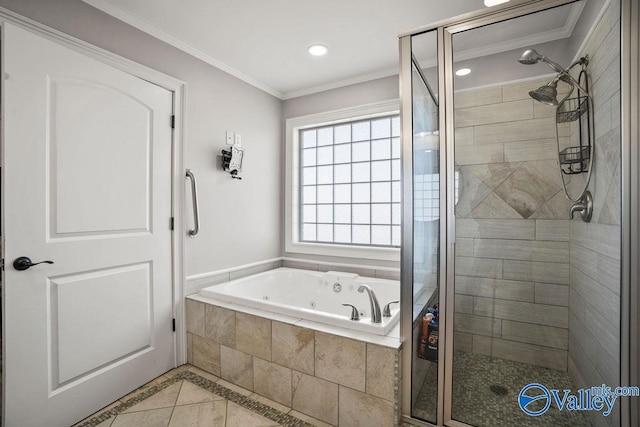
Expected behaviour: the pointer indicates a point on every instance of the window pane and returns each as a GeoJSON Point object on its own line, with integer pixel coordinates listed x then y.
{"type": "Point", "coordinates": [381, 170]}
{"type": "Point", "coordinates": [342, 214]}
{"type": "Point", "coordinates": [395, 148]}
{"type": "Point", "coordinates": [309, 194]}
{"type": "Point", "coordinates": [325, 213]}
{"type": "Point", "coordinates": [325, 232]}
{"type": "Point", "coordinates": [325, 175]}
{"type": "Point", "coordinates": [325, 194]}
{"type": "Point", "coordinates": [361, 214]}
{"type": "Point", "coordinates": [381, 192]}
{"type": "Point", "coordinates": [395, 170]}
{"type": "Point", "coordinates": [342, 233]}
{"type": "Point", "coordinates": [342, 153]}
{"type": "Point", "coordinates": [342, 173]}
{"type": "Point", "coordinates": [395, 191]}
{"type": "Point", "coordinates": [308, 138]}
{"type": "Point", "coordinates": [361, 234]}
{"type": "Point", "coordinates": [361, 152]}
{"type": "Point", "coordinates": [380, 149]}
{"type": "Point", "coordinates": [308, 176]}
{"type": "Point", "coordinates": [308, 232]}
{"type": "Point", "coordinates": [309, 213]}
{"type": "Point", "coordinates": [381, 213]}
{"type": "Point", "coordinates": [381, 128]}
{"type": "Point", "coordinates": [342, 193]}
{"type": "Point", "coordinates": [309, 157]}
{"type": "Point", "coordinates": [325, 155]}
{"type": "Point", "coordinates": [361, 131]}
{"type": "Point", "coordinates": [395, 126]}
{"type": "Point", "coordinates": [350, 183]}
{"type": "Point", "coordinates": [361, 193]}
{"type": "Point", "coordinates": [380, 235]}
{"type": "Point", "coordinates": [325, 136]}
{"type": "Point", "coordinates": [395, 213]}
{"type": "Point", "coordinates": [361, 172]}
{"type": "Point", "coordinates": [342, 134]}
{"type": "Point", "coordinates": [395, 235]}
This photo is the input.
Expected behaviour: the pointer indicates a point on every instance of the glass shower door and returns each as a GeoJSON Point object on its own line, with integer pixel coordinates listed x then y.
{"type": "Point", "coordinates": [425, 180]}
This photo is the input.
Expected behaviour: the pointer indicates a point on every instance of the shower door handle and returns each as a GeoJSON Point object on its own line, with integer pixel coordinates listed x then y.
{"type": "Point", "coordinates": [194, 197]}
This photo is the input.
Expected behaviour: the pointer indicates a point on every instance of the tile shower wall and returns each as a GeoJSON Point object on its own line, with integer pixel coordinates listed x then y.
{"type": "Point", "coordinates": [512, 232]}
{"type": "Point", "coordinates": [337, 380]}
{"type": "Point", "coordinates": [594, 296]}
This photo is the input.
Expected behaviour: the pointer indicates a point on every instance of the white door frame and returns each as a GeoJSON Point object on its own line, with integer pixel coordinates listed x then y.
{"type": "Point", "coordinates": [178, 88]}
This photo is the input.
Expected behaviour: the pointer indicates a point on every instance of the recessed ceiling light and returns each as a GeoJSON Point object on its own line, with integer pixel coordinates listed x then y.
{"type": "Point", "coordinates": [318, 50]}
{"type": "Point", "coordinates": [490, 3]}
{"type": "Point", "coordinates": [463, 71]}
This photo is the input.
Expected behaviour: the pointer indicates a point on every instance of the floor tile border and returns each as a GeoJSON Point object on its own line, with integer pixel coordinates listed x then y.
{"type": "Point", "coordinates": [215, 388]}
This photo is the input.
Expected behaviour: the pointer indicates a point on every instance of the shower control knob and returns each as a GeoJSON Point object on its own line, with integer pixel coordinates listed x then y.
{"type": "Point", "coordinates": [23, 263]}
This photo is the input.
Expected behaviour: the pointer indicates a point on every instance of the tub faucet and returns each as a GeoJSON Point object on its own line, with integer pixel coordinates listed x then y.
{"type": "Point", "coordinates": [376, 316]}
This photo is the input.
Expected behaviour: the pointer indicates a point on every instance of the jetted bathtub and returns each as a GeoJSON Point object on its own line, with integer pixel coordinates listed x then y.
{"type": "Point", "coordinates": [313, 296]}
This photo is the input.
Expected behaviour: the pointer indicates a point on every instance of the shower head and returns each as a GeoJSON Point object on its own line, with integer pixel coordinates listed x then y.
{"type": "Point", "coordinates": [546, 94]}
{"type": "Point", "coordinates": [530, 57]}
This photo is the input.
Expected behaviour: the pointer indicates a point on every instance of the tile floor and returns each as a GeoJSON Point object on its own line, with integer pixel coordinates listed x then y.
{"type": "Point", "coordinates": [476, 404]}
{"type": "Point", "coordinates": [188, 396]}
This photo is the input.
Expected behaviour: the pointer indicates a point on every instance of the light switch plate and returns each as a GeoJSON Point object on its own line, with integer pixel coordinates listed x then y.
{"type": "Point", "coordinates": [230, 138]}
{"type": "Point", "coordinates": [238, 139]}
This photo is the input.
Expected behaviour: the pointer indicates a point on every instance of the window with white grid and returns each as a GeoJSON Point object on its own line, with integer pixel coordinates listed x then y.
{"type": "Point", "coordinates": [349, 183]}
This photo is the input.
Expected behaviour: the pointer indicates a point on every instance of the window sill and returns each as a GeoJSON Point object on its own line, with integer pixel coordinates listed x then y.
{"type": "Point", "coordinates": [346, 251]}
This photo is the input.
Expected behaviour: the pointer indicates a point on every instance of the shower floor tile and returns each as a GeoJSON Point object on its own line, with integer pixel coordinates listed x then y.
{"type": "Point", "coordinates": [476, 404]}
{"type": "Point", "coordinates": [188, 396]}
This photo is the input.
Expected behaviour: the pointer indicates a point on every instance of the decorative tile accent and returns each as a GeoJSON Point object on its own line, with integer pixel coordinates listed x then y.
{"type": "Point", "coordinates": [493, 174]}
{"type": "Point", "coordinates": [191, 379]}
{"type": "Point", "coordinates": [525, 191]}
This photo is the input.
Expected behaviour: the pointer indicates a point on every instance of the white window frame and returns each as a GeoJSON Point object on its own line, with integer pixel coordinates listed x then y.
{"type": "Point", "coordinates": [292, 182]}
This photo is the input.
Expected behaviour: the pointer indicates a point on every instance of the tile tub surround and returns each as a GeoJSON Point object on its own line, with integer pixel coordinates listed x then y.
{"type": "Point", "coordinates": [338, 380]}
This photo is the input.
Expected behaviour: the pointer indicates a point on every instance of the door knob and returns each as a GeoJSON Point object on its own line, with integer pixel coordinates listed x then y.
{"type": "Point", "coordinates": [23, 263]}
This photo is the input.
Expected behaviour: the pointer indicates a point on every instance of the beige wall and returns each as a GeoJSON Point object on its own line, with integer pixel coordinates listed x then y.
{"type": "Point", "coordinates": [240, 220]}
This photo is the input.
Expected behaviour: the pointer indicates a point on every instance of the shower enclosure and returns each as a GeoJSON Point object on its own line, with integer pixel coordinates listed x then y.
{"type": "Point", "coordinates": [501, 286]}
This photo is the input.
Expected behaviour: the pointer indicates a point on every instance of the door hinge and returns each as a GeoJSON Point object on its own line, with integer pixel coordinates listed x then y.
{"type": "Point", "coordinates": [171, 222]}
{"type": "Point", "coordinates": [173, 325]}
{"type": "Point", "coordinates": [173, 122]}
{"type": "Point", "coordinates": [2, 264]}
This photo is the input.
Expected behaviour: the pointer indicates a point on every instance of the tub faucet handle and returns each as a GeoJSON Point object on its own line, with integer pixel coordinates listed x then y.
{"type": "Point", "coordinates": [354, 312]}
{"type": "Point", "coordinates": [386, 311]}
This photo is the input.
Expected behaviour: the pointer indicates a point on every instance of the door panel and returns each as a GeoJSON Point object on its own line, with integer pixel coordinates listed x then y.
{"type": "Point", "coordinates": [87, 184]}
{"type": "Point", "coordinates": [88, 153]}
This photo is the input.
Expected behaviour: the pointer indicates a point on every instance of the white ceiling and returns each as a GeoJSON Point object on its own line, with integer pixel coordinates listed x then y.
{"type": "Point", "coordinates": [264, 42]}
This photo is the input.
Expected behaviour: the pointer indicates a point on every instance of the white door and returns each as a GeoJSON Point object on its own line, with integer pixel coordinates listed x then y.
{"type": "Point", "coordinates": [87, 185]}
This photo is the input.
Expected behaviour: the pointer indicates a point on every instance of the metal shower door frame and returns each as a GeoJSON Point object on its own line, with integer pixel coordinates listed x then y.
{"type": "Point", "coordinates": [445, 31]}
